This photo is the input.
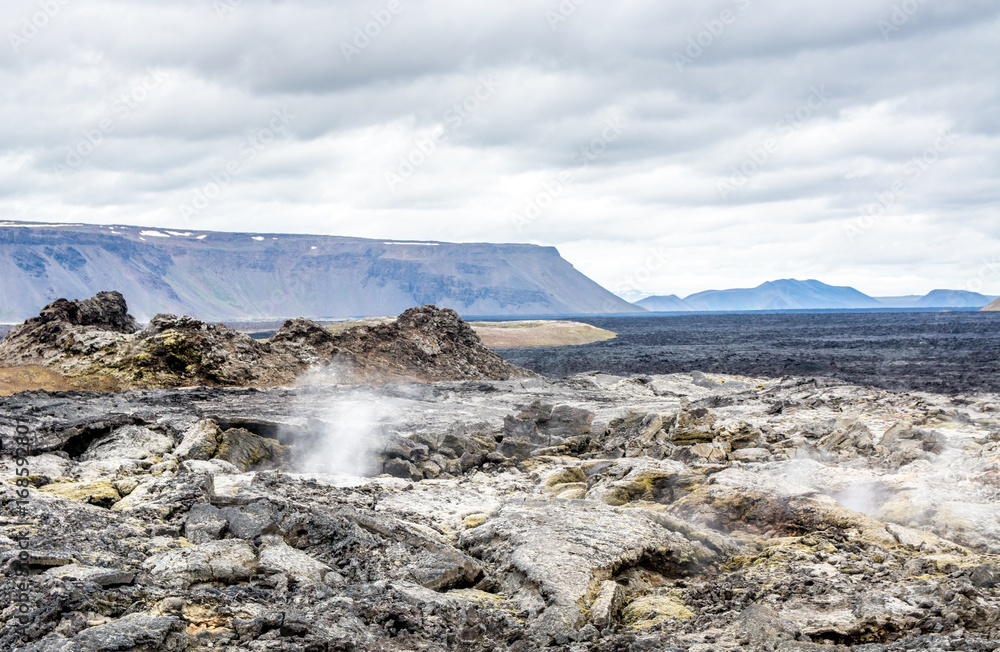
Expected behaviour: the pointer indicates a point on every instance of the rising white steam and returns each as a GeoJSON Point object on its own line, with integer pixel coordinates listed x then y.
{"type": "Point", "coordinates": [351, 437]}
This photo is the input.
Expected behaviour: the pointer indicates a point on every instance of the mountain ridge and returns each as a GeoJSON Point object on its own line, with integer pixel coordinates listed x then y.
{"type": "Point", "coordinates": [793, 294]}
{"type": "Point", "coordinates": [218, 275]}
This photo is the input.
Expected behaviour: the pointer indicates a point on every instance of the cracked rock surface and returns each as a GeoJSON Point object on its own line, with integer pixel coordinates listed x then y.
{"type": "Point", "coordinates": [595, 512]}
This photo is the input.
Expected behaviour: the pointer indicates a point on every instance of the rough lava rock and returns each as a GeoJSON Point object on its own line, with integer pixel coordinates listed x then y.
{"type": "Point", "coordinates": [424, 344]}
{"type": "Point", "coordinates": [679, 512]}
{"type": "Point", "coordinates": [98, 338]}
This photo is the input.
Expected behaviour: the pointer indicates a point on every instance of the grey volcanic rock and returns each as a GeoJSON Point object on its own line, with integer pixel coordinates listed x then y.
{"type": "Point", "coordinates": [98, 338]}
{"type": "Point", "coordinates": [424, 344]}
{"type": "Point", "coordinates": [551, 554]}
{"type": "Point", "coordinates": [137, 631]}
{"type": "Point", "coordinates": [678, 512]}
{"type": "Point", "coordinates": [106, 311]}
{"type": "Point", "coordinates": [237, 276]}
{"type": "Point", "coordinates": [223, 562]}
{"type": "Point", "coordinates": [74, 328]}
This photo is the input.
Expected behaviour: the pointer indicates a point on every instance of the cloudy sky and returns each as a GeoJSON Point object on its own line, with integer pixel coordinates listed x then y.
{"type": "Point", "coordinates": [663, 147]}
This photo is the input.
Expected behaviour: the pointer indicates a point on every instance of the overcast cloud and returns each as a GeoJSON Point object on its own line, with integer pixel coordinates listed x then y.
{"type": "Point", "coordinates": [662, 147]}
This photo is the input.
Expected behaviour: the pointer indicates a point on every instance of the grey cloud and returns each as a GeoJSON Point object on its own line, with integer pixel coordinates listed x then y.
{"type": "Point", "coordinates": [658, 181]}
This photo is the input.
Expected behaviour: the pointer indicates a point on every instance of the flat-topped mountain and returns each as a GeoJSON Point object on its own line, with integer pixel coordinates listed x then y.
{"type": "Point", "coordinates": [234, 276]}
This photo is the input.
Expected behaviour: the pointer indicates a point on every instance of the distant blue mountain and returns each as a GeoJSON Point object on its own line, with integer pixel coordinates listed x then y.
{"type": "Point", "coordinates": [785, 294]}
{"type": "Point", "coordinates": [905, 301]}
{"type": "Point", "coordinates": [953, 299]}
{"type": "Point", "coordinates": [669, 303]}
{"type": "Point", "coordinates": [792, 294]}
{"type": "Point", "coordinates": [939, 299]}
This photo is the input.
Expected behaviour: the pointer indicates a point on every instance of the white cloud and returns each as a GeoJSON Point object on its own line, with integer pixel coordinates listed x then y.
{"type": "Point", "coordinates": [657, 185]}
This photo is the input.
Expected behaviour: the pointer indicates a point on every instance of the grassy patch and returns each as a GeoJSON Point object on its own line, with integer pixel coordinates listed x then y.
{"type": "Point", "coordinates": [31, 378]}
{"type": "Point", "coordinates": [532, 333]}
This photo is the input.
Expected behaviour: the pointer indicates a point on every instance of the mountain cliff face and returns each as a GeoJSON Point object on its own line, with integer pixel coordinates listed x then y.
{"type": "Point", "coordinates": [234, 276]}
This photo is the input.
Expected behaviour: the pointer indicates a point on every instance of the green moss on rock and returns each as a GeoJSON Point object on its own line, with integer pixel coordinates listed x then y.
{"type": "Point", "coordinates": [652, 610]}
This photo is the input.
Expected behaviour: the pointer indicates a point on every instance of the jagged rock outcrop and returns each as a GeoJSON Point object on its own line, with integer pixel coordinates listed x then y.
{"type": "Point", "coordinates": [98, 338]}
{"type": "Point", "coordinates": [107, 311]}
{"type": "Point", "coordinates": [68, 329]}
{"type": "Point", "coordinates": [423, 343]}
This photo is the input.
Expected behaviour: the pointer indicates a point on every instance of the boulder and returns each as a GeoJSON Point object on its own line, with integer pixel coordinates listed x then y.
{"type": "Point", "coordinates": [129, 442]}
{"type": "Point", "coordinates": [226, 562]}
{"type": "Point", "coordinates": [249, 521]}
{"type": "Point", "coordinates": [204, 522]}
{"type": "Point", "coordinates": [550, 553]}
{"type": "Point", "coordinates": [199, 442]}
{"type": "Point", "coordinates": [276, 556]}
{"type": "Point", "coordinates": [136, 631]}
{"type": "Point", "coordinates": [605, 609]}
{"type": "Point", "coordinates": [246, 451]}
{"type": "Point", "coordinates": [692, 426]}
{"type": "Point", "coordinates": [107, 311]}
{"type": "Point", "coordinates": [237, 446]}
{"type": "Point", "coordinates": [986, 576]}
{"type": "Point", "coordinates": [103, 577]}
{"type": "Point", "coordinates": [101, 493]}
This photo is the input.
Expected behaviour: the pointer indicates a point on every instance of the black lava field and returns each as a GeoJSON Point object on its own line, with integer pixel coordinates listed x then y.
{"type": "Point", "coordinates": [944, 352]}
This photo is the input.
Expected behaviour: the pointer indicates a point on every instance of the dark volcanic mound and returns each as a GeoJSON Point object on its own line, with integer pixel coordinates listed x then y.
{"type": "Point", "coordinates": [426, 342]}
{"type": "Point", "coordinates": [98, 338]}
{"type": "Point", "coordinates": [107, 311]}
